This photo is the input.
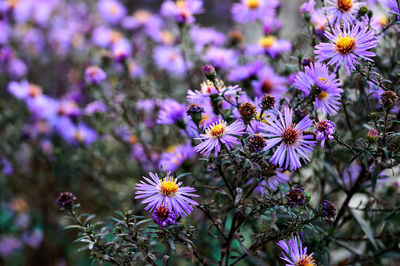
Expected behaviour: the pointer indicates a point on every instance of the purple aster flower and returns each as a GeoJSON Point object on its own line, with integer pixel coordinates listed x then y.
{"type": "Point", "coordinates": [171, 112]}
{"type": "Point", "coordinates": [135, 70]}
{"type": "Point", "coordinates": [293, 143]}
{"type": "Point", "coordinates": [23, 90]}
{"type": "Point", "coordinates": [121, 50]}
{"type": "Point", "coordinates": [269, 45]}
{"type": "Point", "coordinates": [94, 75]}
{"type": "Point", "coordinates": [163, 216]}
{"type": "Point", "coordinates": [217, 134]}
{"type": "Point", "coordinates": [325, 129]}
{"type": "Point", "coordinates": [244, 72]}
{"type": "Point", "coordinates": [268, 82]}
{"type": "Point", "coordinates": [205, 37]}
{"type": "Point", "coordinates": [347, 46]}
{"type": "Point", "coordinates": [182, 10]}
{"type": "Point", "coordinates": [17, 68]}
{"type": "Point", "coordinates": [9, 244]}
{"type": "Point", "coordinates": [342, 10]}
{"type": "Point", "coordinates": [281, 177]}
{"type": "Point", "coordinates": [167, 192]}
{"type": "Point", "coordinates": [221, 58]}
{"type": "Point", "coordinates": [392, 5]}
{"type": "Point", "coordinates": [317, 80]}
{"type": "Point", "coordinates": [294, 254]}
{"type": "Point", "coordinates": [111, 10]}
{"type": "Point", "coordinates": [175, 155]}
{"type": "Point", "coordinates": [95, 107]}
{"type": "Point", "coordinates": [251, 10]}
{"type": "Point", "coordinates": [76, 134]}
{"type": "Point", "coordinates": [170, 59]}
{"type": "Point", "coordinates": [6, 167]}
{"type": "Point", "coordinates": [34, 238]}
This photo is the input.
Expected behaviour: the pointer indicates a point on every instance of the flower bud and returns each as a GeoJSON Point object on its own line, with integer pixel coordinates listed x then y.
{"type": "Point", "coordinates": [247, 111]}
{"type": "Point", "coordinates": [267, 102]}
{"type": "Point", "coordinates": [307, 61]}
{"type": "Point", "coordinates": [295, 196]}
{"type": "Point", "coordinates": [195, 112]}
{"type": "Point", "coordinates": [66, 200]}
{"type": "Point", "coordinates": [256, 143]}
{"type": "Point", "coordinates": [372, 135]}
{"type": "Point", "coordinates": [389, 98]}
{"type": "Point", "coordinates": [328, 209]}
{"type": "Point", "coordinates": [209, 72]}
{"type": "Point", "coordinates": [362, 11]}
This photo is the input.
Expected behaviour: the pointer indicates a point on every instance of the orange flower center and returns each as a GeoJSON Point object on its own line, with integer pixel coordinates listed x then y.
{"type": "Point", "coordinates": [322, 95]}
{"type": "Point", "coordinates": [344, 5]}
{"type": "Point", "coordinates": [307, 261]}
{"type": "Point", "coordinates": [252, 4]}
{"type": "Point", "coordinates": [34, 90]}
{"type": "Point", "coordinates": [290, 136]}
{"type": "Point", "coordinates": [345, 45]}
{"type": "Point", "coordinates": [267, 87]}
{"type": "Point", "coordinates": [267, 41]}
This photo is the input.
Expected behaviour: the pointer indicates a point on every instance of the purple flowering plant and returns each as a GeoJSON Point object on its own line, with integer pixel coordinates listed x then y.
{"type": "Point", "coordinates": [246, 132]}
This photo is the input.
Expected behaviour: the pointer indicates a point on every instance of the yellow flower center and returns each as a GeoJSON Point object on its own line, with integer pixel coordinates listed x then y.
{"type": "Point", "coordinates": [168, 187]}
{"type": "Point", "coordinates": [171, 149]}
{"type": "Point", "coordinates": [167, 37]}
{"type": "Point", "coordinates": [344, 5]}
{"type": "Point", "coordinates": [181, 4]}
{"type": "Point", "coordinates": [252, 4]}
{"type": "Point", "coordinates": [132, 139]}
{"type": "Point", "coordinates": [142, 16]}
{"type": "Point", "coordinates": [383, 21]}
{"type": "Point", "coordinates": [345, 45]}
{"type": "Point", "coordinates": [13, 3]}
{"type": "Point", "coordinates": [113, 9]}
{"type": "Point", "coordinates": [322, 95]}
{"type": "Point", "coordinates": [323, 80]}
{"type": "Point", "coordinates": [115, 36]}
{"type": "Point", "coordinates": [79, 136]}
{"type": "Point", "coordinates": [267, 41]}
{"type": "Point", "coordinates": [217, 130]}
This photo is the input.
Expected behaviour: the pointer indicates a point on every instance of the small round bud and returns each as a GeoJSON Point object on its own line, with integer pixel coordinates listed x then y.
{"type": "Point", "coordinates": [195, 111]}
{"type": "Point", "coordinates": [256, 143]}
{"type": "Point", "coordinates": [372, 135]}
{"type": "Point", "coordinates": [308, 197]}
{"type": "Point", "coordinates": [362, 11]}
{"type": "Point", "coordinates": [328, 209]}
{"type": "Point", "coordinates": [235, 37]}
{"type": "Point", "coordinates": [209, 72]}
{"type": "Point", "coordinates": [295, 196]}
{"type": "Point", "coordinates": [300, 114]}
{"type": "Point", "coordinates": [307, 61]}
{"type": "Point", "coordinates": [389, 98]}
{"type": "Point", "coordinates": [247, 111]}
{"type": "Point", "coordinates": [307, 16]}
{"type": "Point", "coordinates": [370, 14]}
{"type": "Point", "coordinates": [268, 102]}
{"type": "Point", "coordinates": [66, 200]}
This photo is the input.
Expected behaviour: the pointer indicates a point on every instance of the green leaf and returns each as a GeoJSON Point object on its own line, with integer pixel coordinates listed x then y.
{"type": "Point", "coordinates": [374, 176]}
{"type": "Point", "coordinates": [365, 227]}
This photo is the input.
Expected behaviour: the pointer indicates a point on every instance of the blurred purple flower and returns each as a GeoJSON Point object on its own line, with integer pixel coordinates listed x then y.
{"type": "Point", "coordinates": [111, 10]}
{"type": "Point", "coordinates": [171, 112]}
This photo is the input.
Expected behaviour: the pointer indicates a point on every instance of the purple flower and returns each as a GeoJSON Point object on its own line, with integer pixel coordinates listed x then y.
{"type": "Point", "coordinates": [205, 37]}
{"type": "Point", "coordinates": [170, 59]}
{"type": "Point", "coordinates": [111, 10]}
{"type": "Point", "coordinates": [293, 143]}
{"type": "Point", "coordinates": [171, 112]}
{"type": "Point", "coordinates": [8, 244]}
{"type": "Point", "coordinates": [347, 46]}
{"type": "Point", "coordinates": [221, 58]}
{"type": "Point", "coordinates": [317, 80]}
{"type": "Point", "coordinates": [342, 10]}
{"type": "Point", "coordinates": [281, 177]}
{"type": "Point", "coordinates": [6, 167]}
{"type": "Point", "coordinates": [163, 216]}
{"type": "Point", "coordinates": [95, 107]}
{"type": "Point", "coordinates": [244, 72]}
{"type": "Point", "coordinates": [167, 192]}
{"type": "Point", "coordinates": [269, 45]}
{"type": "Point", "coordinates": [251, 10]}
{"type": "Point", "coordinates": [294, 254]}
{"type": "Point", "coordinates": [23, 90]}
{"type": "Point", "coordinates": [121, 50]}
{"type": "Point", "coordinates": [268, 82]}
{"type": "Point", "coordinates": [392, 5]}
{"type": "Point", "coordinates": [76, 134]}
{"type": "Point", "coordinates": [175, 155]}
{"type": "Point", "coordinates": [34, 238]}
{"type": "Point", "coordinates": [17, 68]}
{"type": "Point", "coordinates": [217, 134]}
{"type": "Point", "coordinates": [325, 129]}
{"type": "Point", "coordinates": [94, 75]}
{"type": "Point", "coordinates": [182, 10]}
